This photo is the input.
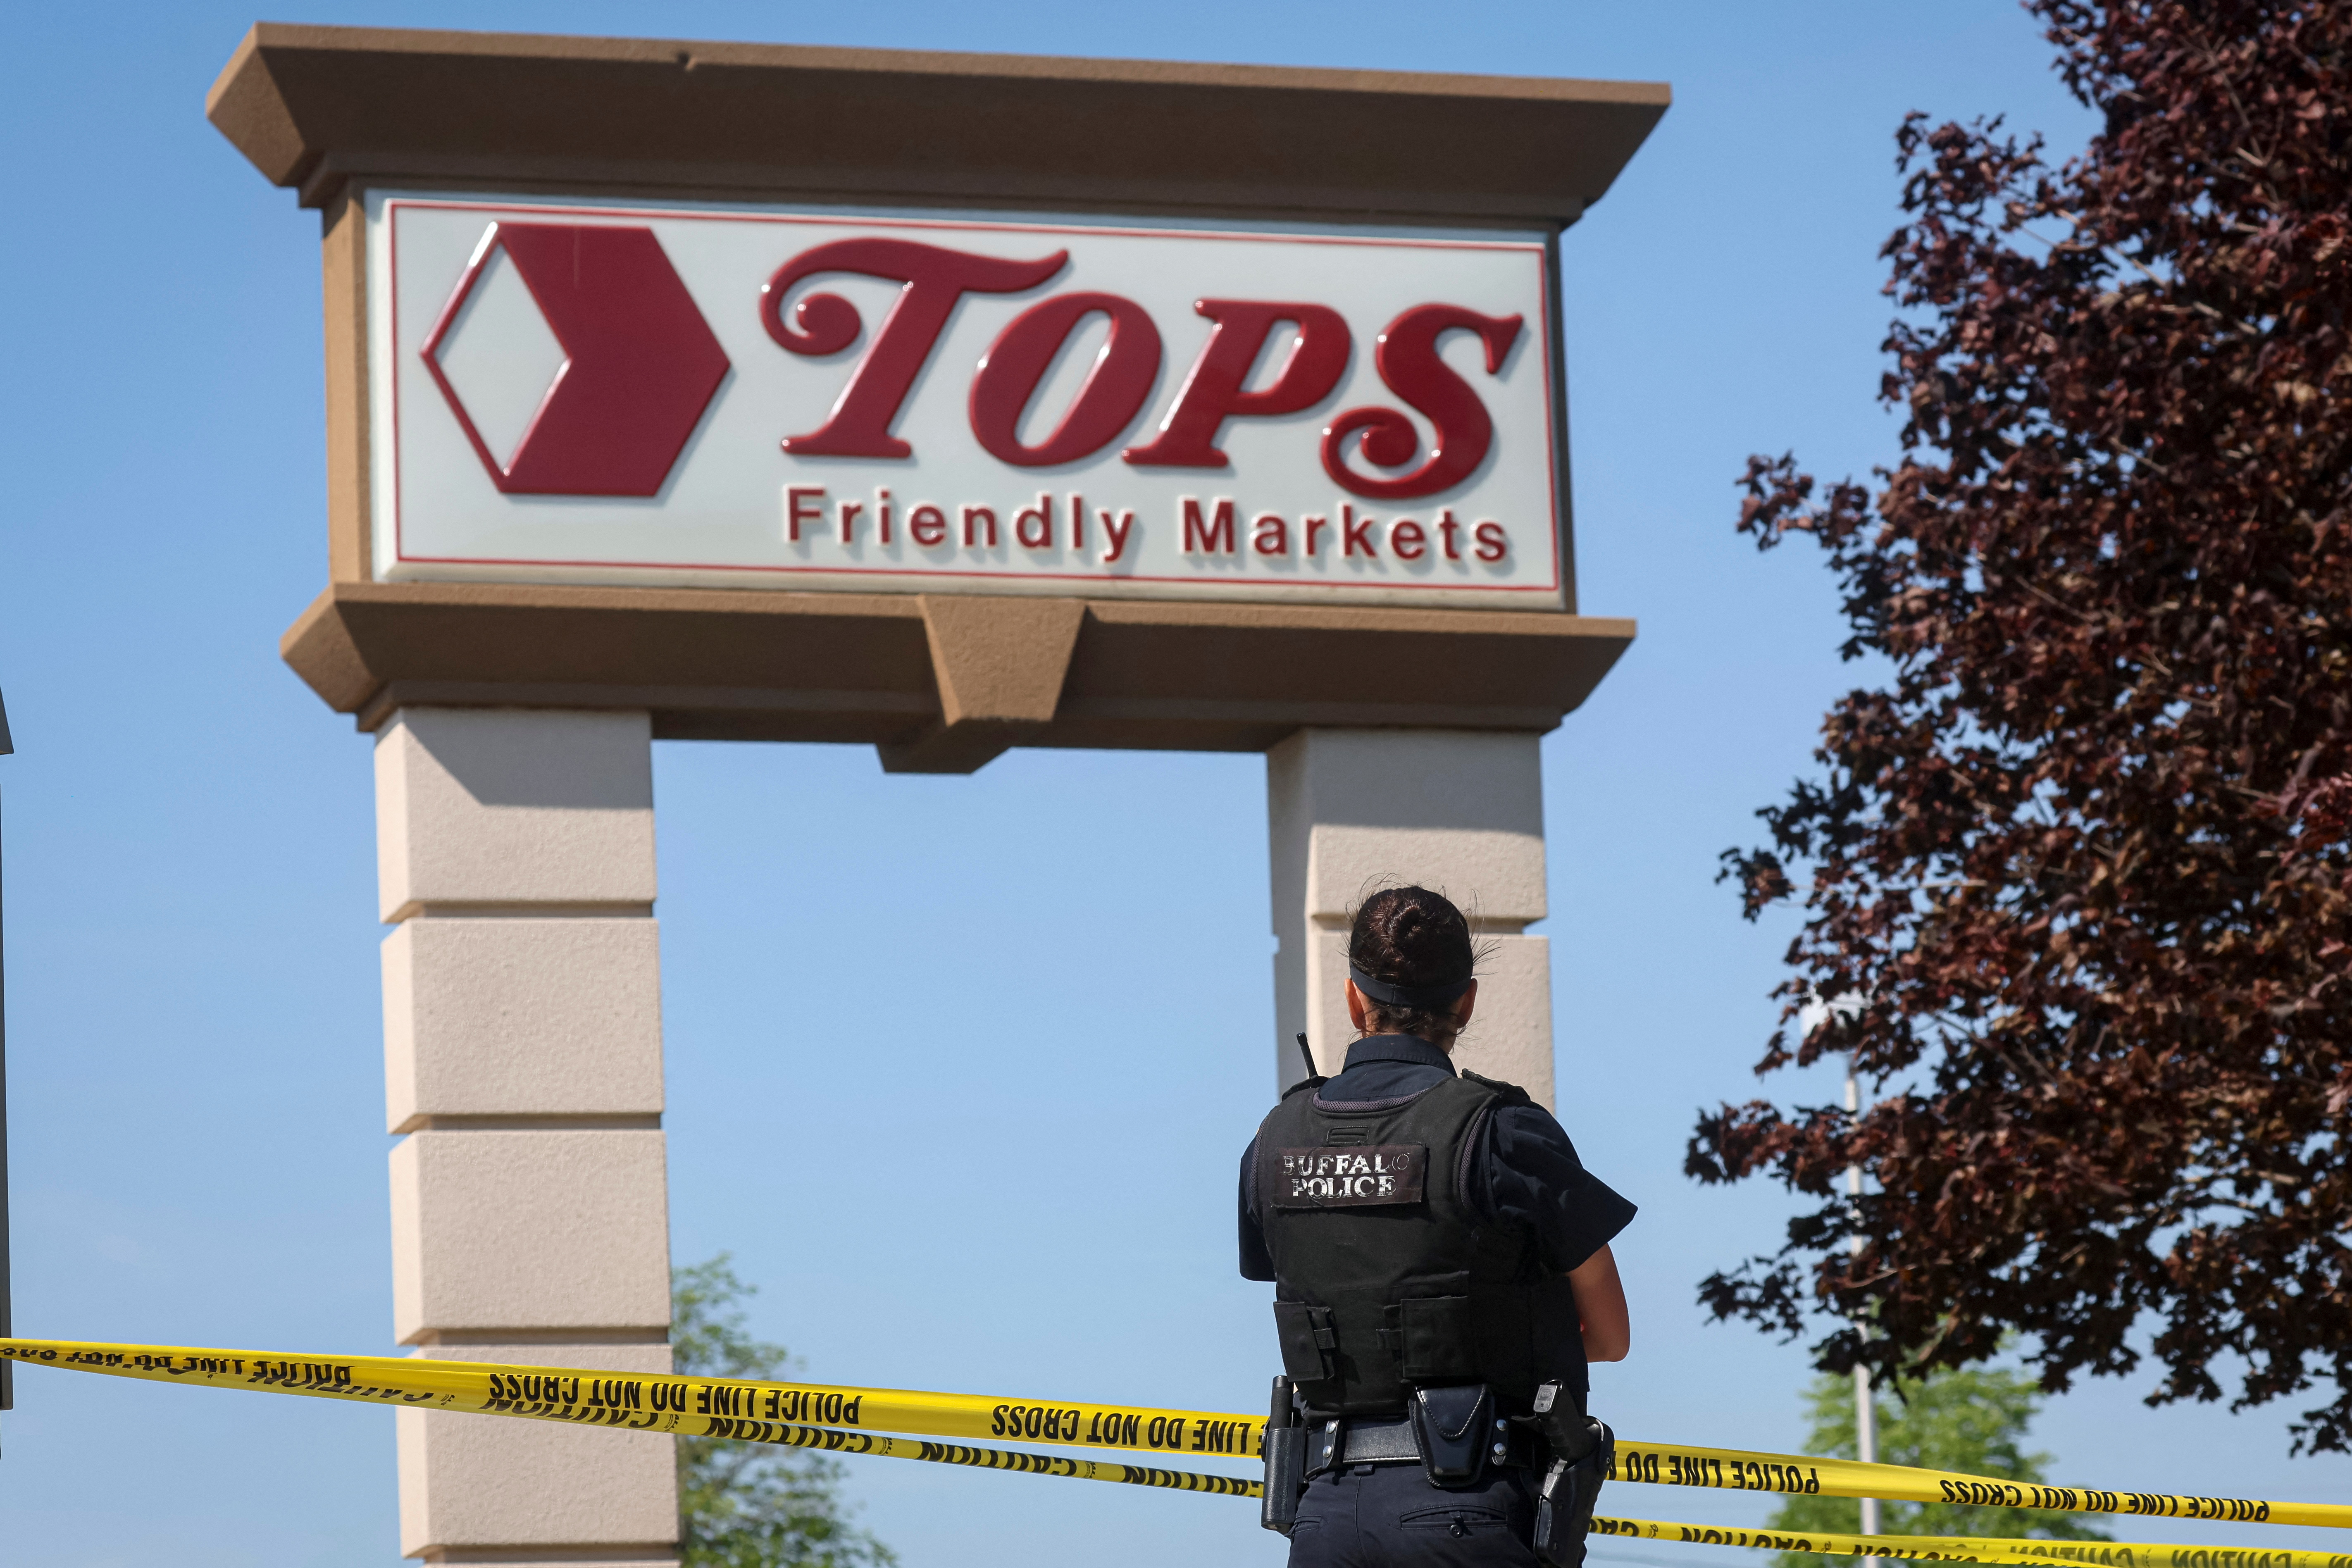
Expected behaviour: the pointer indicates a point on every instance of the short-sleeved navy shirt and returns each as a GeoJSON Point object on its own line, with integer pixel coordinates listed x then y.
{"type": "Point", "coordinates": [1523, 1171]}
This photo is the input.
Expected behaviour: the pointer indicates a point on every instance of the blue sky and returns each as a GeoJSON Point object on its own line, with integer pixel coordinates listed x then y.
{"type": "Point", "coordinates": [958, 1068]}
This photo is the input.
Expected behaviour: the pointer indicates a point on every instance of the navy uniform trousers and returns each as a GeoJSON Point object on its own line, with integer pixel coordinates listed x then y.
{"type": "Point", "coordinates": [1388, 1516]}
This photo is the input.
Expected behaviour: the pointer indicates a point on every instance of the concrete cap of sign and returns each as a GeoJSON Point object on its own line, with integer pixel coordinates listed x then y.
{"type": "Point", "coordinates": [316, 106]}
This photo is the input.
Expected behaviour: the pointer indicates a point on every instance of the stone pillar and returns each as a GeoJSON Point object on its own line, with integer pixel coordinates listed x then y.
{"type": "Point", "coordinates": [524, 1076]}
{"type": "Point", "coordinates": [1460, 811]}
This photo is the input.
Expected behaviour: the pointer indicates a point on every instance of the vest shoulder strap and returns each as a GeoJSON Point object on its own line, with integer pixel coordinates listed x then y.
{"type": "Point", "coordinates": [1505, 1093]}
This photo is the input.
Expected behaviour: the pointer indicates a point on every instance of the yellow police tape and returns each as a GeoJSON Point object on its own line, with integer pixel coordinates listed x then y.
{"type": "Point", "coordinates": [689, 1406]}
{"type": "Point", "coordinates": [1740, 1470]}
{"type": "Point", "coordinates": [833, 1440]}
{"type": "Point", "coordinates": [844, 1419]}
{"type": "Point", "coordinates": [1968, 1548]}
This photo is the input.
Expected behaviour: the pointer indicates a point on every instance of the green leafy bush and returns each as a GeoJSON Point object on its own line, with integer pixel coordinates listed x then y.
{"type": "Point", "coordinates": [748, 1505]}
{"type": "Point", "coordinates": [1973, 1421]}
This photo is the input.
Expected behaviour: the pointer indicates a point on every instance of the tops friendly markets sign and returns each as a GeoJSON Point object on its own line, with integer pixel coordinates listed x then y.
{"type": "Point", "coordinates": [746, 395]}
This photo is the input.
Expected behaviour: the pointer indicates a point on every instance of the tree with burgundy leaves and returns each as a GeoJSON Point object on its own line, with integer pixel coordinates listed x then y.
{"type": "Point", "coordinates": [2075, 871]}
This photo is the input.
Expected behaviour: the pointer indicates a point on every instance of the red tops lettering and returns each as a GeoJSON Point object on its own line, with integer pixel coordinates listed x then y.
{"type": "Point", "coordinates": [1214, 392]}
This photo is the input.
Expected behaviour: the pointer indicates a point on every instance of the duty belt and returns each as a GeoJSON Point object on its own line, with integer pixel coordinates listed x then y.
{"type": "Point", "coordinates": [1340, 1441]}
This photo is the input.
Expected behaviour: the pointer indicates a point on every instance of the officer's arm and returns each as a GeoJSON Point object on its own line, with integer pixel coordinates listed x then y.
{"type": "Point", "coordinates": [1600, 1304]}
{"type": "Point", "coordinates": [1256, 1262]}
{"type": "Point", "coordinates": [1534, 1178]}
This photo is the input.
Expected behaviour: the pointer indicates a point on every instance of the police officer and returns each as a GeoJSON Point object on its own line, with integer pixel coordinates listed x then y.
{"type": "Point", "coordinates": [1441, 1275]}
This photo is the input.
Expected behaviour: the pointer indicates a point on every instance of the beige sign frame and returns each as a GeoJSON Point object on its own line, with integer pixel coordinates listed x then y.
{"type": "Point", "coordinates": [939, 683]}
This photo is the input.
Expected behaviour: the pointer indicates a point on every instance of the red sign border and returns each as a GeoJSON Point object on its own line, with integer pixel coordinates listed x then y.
{"type": "Point", "coordinates": [394, 206]}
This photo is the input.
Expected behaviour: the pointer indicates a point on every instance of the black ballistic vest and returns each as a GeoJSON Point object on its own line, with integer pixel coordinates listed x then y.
{"type": "Point", "coordinates": [1386, 1277]}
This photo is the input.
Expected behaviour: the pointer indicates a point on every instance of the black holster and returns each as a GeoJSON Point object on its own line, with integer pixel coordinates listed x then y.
{"type": "Point", "coordinates": [1584, 1451]}
{"type": "Point", "coordinates": [1286, 1462]}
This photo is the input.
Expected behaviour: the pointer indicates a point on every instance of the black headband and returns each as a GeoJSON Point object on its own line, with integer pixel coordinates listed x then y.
{"type": "Point", "coordinates": [1421, 998]}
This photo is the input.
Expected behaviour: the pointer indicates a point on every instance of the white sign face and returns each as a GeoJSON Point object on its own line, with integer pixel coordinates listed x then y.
{"type": "Point", "coordinates": [808, 399]}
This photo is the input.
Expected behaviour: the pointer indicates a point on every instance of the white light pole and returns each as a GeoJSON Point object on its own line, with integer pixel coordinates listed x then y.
{"type": "Point", "coordinates": [7, 1379]}
{"type": "Point", "coordinates": [1865, 1411]}
{"type": "Point", "coordinates": [1814, 1014]}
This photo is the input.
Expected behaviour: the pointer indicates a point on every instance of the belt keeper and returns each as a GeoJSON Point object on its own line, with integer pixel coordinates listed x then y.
{"type": "Point", "coordinates": [1329, 1443]}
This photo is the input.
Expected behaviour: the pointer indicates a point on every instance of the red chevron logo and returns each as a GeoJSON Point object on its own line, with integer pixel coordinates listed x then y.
{"type": "Point", "coordinates": [640, 364]}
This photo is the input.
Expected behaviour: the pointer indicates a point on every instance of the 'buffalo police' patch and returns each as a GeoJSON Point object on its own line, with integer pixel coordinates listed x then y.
{"type": "Point", "coordinates": [1331, 1178]}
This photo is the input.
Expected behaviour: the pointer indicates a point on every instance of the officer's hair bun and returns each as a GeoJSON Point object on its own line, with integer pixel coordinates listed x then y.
{"type": "Point", "coordinates": [1411, 936]}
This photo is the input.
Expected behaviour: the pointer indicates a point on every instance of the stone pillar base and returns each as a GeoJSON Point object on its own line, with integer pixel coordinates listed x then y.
{"type": "Point", "coordinates": [1459, 811]}
{"type": "Point", "coordinates": [522, 1062]}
